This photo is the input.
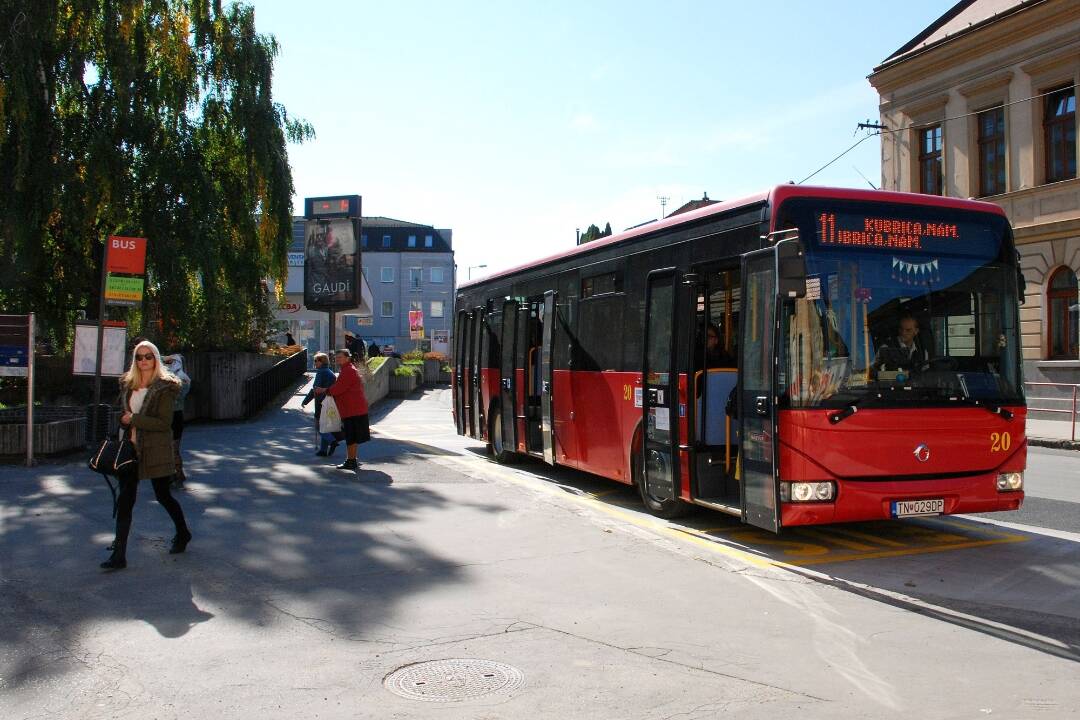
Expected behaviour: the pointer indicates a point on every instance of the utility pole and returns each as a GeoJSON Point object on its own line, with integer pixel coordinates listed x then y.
{"type": "Point", "coordinates": [663, 205]}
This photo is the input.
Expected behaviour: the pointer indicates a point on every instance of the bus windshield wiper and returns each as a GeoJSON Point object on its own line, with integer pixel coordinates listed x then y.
{"type": "Point", "coordinates": [847, 412]}
{"type": "Point", "coordinates": [994, 408]}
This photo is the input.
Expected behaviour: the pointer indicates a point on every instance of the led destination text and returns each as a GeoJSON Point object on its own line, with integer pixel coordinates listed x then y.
{"type": "Point", "coordinates": [881, 232]}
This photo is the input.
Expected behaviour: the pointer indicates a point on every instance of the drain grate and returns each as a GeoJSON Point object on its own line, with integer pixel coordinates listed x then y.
{"type": "Point", "coordinates": [452, 679]}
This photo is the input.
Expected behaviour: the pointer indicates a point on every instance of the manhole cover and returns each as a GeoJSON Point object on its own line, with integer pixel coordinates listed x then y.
{"type": "Point", "coordinates": [452, 679]}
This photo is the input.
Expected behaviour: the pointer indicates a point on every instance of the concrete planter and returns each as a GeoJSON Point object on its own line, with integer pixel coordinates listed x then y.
{"type": "Point", "coordinates": [444, 378]}
{"type": "Point", "coordinates": [402, 385]}
{"type": "Point", "coordinates": [431, 371]}
{"type": "Point", "coordinates": [50, 437]}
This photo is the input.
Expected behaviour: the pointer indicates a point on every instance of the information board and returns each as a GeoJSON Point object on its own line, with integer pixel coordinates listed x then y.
{"type": "Point", "coordinates": [113, 352]}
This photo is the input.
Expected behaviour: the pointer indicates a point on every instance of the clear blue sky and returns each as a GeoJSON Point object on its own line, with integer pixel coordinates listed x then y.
{"type": "Point", "coordinates": [515, 123]}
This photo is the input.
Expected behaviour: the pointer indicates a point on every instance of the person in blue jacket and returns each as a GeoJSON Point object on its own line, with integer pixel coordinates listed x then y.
{"type": "Point", "coordinates": [324, 378]}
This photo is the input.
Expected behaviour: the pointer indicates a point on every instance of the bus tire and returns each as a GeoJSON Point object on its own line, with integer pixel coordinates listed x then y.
{"type": "Point", "coordinates": [667, 509]}
{"type": "Point", "coordinates": [496, 445]}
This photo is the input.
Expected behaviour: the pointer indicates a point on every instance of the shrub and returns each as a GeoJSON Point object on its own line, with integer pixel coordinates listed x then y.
{"type": "Point", "coordinates": [405, 371]}
{"type": "Point", "coordinates": [417, 355]}
{"type": "Point", "coordinates": [433, 355]}
{"type": "Point", "coordinates": [375, 363]}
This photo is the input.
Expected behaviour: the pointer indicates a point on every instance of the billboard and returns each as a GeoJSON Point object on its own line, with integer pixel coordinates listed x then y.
{"type": "Point", "coordinates": [331, 264]}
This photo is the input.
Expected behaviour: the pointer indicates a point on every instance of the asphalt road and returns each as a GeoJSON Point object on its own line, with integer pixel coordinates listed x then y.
{"type": "Point", "coordinates": [536, 592]}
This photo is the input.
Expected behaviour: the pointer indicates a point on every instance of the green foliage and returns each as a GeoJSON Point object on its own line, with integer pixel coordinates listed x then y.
{"type": "Point", "coordinates": [151, 118]}
{"type": "Point", "coordinates": [413, 355]}
{"type": "Point", "coordinates": [594, 233]}
{"type": "Point", "coordinates": [405, 370]}
{"type": "Point", "coordinates": [375, 363]}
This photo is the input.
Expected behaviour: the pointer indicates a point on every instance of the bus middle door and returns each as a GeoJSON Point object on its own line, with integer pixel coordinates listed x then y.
{"type": "Point", "coordinates": [547, 422]}
{"type": "Point", "coordinates": [659, 396]}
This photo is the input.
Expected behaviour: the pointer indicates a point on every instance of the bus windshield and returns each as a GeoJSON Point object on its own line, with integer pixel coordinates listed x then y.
{"type": "Point", "coordinates": [905, 306]}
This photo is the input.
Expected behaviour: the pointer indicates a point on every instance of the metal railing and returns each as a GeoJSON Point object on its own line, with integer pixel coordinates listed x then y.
{"type": "Point", "coordinates": [261, 389]}
{"type": "Point", "coordinates": [1072, 408]}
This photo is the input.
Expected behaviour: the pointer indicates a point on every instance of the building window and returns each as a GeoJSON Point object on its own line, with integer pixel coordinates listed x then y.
{"type": "Point", "coordinates": [388, 308]}
{"type": "Point", "coordinates": [436, 274]}
{"type": "Point", "coordinates": [363, 240]}
{"type": "Point", "coordinates": [992, 151]}
{"type": "Point", "coordinates": [1062, 299]}
{"type": "Point", "coordinates": [436, 308]}
{"type": "Point", "coordinates": [416, 306]}
{"type": "Point", "coordinates": [386, 241]}
{"type": "Point", "coordinates": [930, 171]}
{"type": "Point", "coordinates": [429, 241]}
{"type": "Point", "coordinates": [1059, 127]}
{"type": "Point", "coordinates": [387, 274]}
{"type": "Point", "coordinates": [416, 278]}
{"type": "Point", "coordinates": [412, 241]}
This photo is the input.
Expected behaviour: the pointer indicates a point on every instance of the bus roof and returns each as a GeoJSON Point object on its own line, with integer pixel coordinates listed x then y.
{"type": "Point", "coordinates": [773, 198]}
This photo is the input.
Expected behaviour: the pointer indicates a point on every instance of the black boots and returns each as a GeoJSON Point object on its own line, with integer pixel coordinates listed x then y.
{"type": "Point", "coordinates": [118, 559]}
{"type": "Point", "coordinates": [180, 542]}
{"type": "Point", "coordinates": [349, 464]}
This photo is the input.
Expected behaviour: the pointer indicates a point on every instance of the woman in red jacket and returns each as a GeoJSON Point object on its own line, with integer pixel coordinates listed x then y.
{"type": "Point", "coordinates": [348, 393]}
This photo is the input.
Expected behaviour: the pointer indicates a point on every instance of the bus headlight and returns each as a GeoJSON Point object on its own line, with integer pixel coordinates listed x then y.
{"type": "Point", "coordinates": [807, 491]}
{"type": "Point", "coordinates": [1010, 482]}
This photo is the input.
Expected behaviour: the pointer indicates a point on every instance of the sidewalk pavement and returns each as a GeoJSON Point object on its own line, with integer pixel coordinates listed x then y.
{"type": "Point", "coordinates": [1053, 433]}
{"type": "Point", "coordinates": [305, 588]}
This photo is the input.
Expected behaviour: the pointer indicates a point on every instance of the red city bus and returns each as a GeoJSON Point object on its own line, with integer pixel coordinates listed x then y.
{"type": "Point", "coordinates": [803, 356]}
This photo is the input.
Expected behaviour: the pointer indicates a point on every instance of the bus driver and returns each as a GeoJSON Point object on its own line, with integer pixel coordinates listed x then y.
{"type": "Point", "coordinates": [902, 352]}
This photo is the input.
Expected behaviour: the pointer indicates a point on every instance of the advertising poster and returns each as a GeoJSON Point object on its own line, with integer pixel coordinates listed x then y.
{"type": "Point", "coordinates": [416, 325]}
{"type": "Point", "coordinates": [114, 360]}
{"type": "Point", "coordinates": [331, 265]}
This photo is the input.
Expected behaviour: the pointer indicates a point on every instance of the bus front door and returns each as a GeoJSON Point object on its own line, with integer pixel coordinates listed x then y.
{"type": "Point", "coordinates": [757, 400]}
{"type": "Point", "coordinates": [506, 439]}
{"type": "Point", "coordinates": [546, 377]}
{"type": "Point", "coordinates": [658, 396]}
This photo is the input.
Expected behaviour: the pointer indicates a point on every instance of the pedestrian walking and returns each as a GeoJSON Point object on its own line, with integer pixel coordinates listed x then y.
{"type": "Point", "coordinates": [324, 378]}
{"type": "Point", "coordinates": [148, 396]}
{"type": "Point", "coordinates": [175, 364]}
{"type": "Point", "coordinates": [348, 393]}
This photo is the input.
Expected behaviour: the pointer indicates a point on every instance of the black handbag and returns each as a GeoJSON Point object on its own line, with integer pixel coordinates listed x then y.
{"type": "Point", "coordinates": [113, 457]}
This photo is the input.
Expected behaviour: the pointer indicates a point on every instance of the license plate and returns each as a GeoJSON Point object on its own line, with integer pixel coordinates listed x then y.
{"type": "Point", "coordinates": [912, 508]}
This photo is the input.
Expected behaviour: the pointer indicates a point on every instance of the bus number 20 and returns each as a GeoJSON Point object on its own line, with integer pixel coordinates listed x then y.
{"type": "Point", "coordinates": [1000, 442]}
{"type": "Point", "coordinates": [628, 392]}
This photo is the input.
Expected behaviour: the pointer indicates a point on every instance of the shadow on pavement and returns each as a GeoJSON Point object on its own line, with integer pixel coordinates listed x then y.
{"type": "Point", "coordinates": [273, 527]}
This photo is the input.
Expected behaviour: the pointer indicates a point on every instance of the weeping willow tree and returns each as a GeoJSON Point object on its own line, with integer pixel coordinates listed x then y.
{"type": "Point", "coordinates": [150, 118]}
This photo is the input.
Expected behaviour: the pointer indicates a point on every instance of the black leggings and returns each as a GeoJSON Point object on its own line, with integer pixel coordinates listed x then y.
{"type": "Point", "coordinates": [125, 504]}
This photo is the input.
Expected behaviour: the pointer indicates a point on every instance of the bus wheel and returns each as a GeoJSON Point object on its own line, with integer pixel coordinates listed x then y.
{"type": "Point", "coordinates": [501, 454]}
{"type": "Point", "coordinates": [669, 508]}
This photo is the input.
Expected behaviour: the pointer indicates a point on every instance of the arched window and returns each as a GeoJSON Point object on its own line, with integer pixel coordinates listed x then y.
{"type": "Point", "coordinates": [1063, 314]}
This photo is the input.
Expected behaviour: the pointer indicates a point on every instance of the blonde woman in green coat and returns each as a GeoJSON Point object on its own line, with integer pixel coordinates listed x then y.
{"type": "Point", "coordinates": [147, 395]}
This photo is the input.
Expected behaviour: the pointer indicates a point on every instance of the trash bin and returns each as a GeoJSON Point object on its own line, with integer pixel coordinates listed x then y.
{"type": "Point", "coordinates": [96, 431]}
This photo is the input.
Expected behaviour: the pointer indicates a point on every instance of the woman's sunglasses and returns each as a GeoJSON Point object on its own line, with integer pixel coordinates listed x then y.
{"type": "Point", "coordinates": [148, 356]}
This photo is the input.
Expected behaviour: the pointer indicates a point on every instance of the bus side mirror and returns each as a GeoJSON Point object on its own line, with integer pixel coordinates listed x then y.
{"type": "Point", "coordinates": [791, 264]}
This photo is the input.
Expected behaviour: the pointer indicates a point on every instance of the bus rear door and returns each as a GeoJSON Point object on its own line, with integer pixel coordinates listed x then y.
{"type": "Point", "coordinates": [460, 363]}
{"type": "Point", "coordinates": [757, 401]}
{"type": "Point", "coordinates": [479, 329]}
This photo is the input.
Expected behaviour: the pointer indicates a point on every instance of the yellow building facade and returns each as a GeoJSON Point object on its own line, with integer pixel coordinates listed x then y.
{"type": "Point", "coordinates": [982, 104]}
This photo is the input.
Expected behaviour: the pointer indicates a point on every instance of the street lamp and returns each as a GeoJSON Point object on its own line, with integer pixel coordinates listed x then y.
{"type": "Point", "coordinates": [471, 269]}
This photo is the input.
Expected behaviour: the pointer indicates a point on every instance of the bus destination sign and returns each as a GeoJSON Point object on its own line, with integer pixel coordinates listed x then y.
{"type": "Point", "coordinates": [857, 230]}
